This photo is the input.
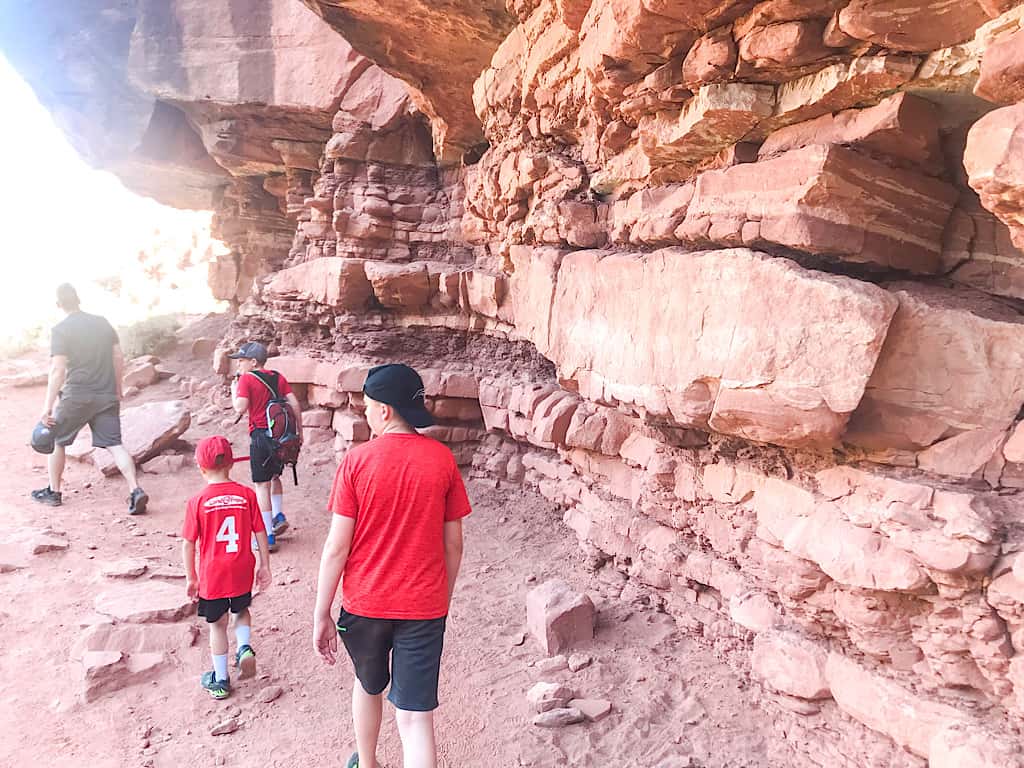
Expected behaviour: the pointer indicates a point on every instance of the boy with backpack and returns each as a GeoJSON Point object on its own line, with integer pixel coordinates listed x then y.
{"type": "Point", "coordinates": [275, 434]}
{"type": "Point", "coordinates": [223, 519]}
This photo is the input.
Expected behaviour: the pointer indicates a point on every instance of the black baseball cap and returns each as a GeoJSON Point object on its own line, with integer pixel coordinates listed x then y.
{"type": "Point", "coordinates": [400, 387]}
{"type": "Point", "coordinates": [251, 350]}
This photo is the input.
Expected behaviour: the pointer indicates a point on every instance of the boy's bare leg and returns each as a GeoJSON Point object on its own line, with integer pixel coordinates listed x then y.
{"type": "Point", "coordinates": [243, 637]}
{"type": "Point", "coordinates": [416, 730]}
{"type": "Point", "coordinates": [219, 647]}
{"type": "Point", "coordinates": [367, 711]}
{"type": "Point", "coordinates": [266, 510]}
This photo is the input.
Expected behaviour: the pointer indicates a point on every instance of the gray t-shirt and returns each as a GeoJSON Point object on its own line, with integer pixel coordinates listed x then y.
{"type": "Point", "coordinates": [87, 341]}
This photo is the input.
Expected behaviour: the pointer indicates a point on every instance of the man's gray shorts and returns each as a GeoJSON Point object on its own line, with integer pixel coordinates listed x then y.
{"type": "Point", "coordinates": [102, 416]}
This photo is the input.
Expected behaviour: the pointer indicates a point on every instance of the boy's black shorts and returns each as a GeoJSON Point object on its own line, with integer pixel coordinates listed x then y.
{"type": "Point", "coordinates": [263, 459]}
{"type": "Point", "coordinates": [415, 664]}
{"type": "Point", "coordinates": [212, 610]}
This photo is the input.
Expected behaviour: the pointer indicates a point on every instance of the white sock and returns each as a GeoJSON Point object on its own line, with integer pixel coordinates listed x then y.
{"type": "Point", "coordinates": [276, 503]}
{"type": "Point", "coordinates": [268, 521]}
{"type": "Point", "coordinates": [243, 634]}
{"type": "Point", "coordinates": [220, 666]}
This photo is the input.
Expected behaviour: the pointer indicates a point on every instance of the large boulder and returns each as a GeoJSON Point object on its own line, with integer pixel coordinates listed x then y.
{"type": "Point", "coordinates": [144, 602]}
{"type": "Point", "coordinates": [952, 362]}
{"type": "Point", "coordinates": [333, 281]}
{"type": "Point", "coordinates": [753, 348]}
{"type": "Point", "coordinates": [994, 159]}
{"type": "Point", "coordinates": [790, 664]}
{"type": "Point", "coordinates": [146, 430]}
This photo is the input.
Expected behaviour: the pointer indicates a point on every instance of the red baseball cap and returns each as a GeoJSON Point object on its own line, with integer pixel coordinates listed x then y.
{"type": "Point", "coordinates": [214, 453]}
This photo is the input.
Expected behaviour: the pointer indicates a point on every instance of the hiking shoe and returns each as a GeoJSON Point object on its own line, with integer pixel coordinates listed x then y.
{"type": "Point", "coordinates": [280, 523]}
{"type": "Point", "coordinates": [137, 502]}
{"type": "Point", "coordinates": [353, 762]}
{"type": "Point", "coordinates": [245, 660]}
{"type": "Point", "coordinates": [271, 542]}
{"type": "Point", "coordinates": [48, 496]}
{"type": "Point", "coordinates": [218, 689]}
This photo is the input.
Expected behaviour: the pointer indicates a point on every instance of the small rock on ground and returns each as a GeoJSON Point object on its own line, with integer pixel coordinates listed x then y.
{"type": "Point", "coordinates": [559, 718]}
{"type": "Point", "coordinates": [579, 661]}
{"type": "Point", "coordinates": [225, 727]}
{"type": "Point", "coordinates": [554, 664]}
{"type": "Point", "coordinates": [547, 696]}
{"type": "Point", "coordinates": [592, 709]}
{"type": "Point", "coordinates": [268, 694]}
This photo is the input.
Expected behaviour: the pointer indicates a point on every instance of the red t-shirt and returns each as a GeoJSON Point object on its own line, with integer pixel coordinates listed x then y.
{"type": "Point", "coordinates": [401, 490]}
{"type": "Point", "coordinates": [251, 387]}
{"type": "Point", "coordinates": [223, 519]}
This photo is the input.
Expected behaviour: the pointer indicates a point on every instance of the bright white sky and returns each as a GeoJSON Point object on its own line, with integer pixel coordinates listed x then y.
{"type": "Point", "coordinates": [60, 220]}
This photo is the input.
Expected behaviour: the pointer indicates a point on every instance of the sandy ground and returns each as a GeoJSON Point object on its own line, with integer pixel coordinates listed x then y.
{"type": "Point", "coordinates": [674, 703]}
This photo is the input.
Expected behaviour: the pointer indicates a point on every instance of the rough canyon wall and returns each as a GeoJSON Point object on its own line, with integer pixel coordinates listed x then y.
{"type": "Point", "coordinates": [737, 285]}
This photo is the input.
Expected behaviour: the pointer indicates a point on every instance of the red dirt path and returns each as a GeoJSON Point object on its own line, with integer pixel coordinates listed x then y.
{"type": "Point", "coordinates": [656, 678]}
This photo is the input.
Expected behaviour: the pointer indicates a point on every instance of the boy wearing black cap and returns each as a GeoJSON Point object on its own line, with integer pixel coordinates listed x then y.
{"type": "Point", "coordinates": [252, 389]}
{"type": "Point", "coordinates": [396, 536]}
{"type": "Point", "coordinates": [222, 519]}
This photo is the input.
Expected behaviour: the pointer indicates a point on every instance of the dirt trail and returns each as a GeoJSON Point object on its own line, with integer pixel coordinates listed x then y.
{"type": "Point", "coordinates": [674, 703]}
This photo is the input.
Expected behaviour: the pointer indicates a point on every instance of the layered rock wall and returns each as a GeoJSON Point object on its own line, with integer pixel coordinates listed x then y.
{"type": "Point", "coordinates": [736, 285]}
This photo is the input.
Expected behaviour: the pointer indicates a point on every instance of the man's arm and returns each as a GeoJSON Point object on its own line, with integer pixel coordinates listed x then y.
{"type": "Point", "coordinates": [58, 374]}
{"type": "Point", "coordinates": [452, 553]}
{"type": "Point", "coordinates": [188, 558]}
{"type": "Point", "coordinates": [332, 566]}
{"type": "Point", "coordinates": [293, 401]}
{"type": "Point", "coordinates": [119, 370]}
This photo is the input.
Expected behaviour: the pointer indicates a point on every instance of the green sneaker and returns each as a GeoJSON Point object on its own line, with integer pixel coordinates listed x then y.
{"type": "Point", "coordinates": [245, 660]}
{"type": "Point", "coordinates": [218, 689]}
{"type": "Point", "coordinates": [353, 762]}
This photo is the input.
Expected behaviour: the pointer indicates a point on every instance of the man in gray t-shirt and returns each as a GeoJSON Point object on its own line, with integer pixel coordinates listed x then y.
{"type": "Point", "coordinates": [86, 370]}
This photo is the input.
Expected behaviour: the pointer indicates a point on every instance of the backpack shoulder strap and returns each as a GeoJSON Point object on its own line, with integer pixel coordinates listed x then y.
{"type": "Point", "coordinates": [263, 380]}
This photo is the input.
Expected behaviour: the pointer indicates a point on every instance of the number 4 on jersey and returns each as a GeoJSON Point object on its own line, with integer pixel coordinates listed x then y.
{"type": "Point", "coordinates": [228, 534]}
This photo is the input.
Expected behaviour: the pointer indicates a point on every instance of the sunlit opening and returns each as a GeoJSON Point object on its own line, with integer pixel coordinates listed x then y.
{"type": "Point", "coordinates": [129, 257]}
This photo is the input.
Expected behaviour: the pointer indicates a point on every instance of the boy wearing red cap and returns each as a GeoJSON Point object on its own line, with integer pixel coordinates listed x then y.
{"type": "Point", "coordinates": [223, 519]}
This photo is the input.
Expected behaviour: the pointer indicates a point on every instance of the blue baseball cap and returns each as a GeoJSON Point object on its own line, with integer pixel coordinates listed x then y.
{"type": "Point", "coordinates": [251, 350]}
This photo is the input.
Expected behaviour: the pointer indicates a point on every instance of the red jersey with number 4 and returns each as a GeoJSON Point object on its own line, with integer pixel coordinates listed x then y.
{"type": "Point", "coordinates": [223, 519]}
{"type": "Point", "coordinates": [401, 489]}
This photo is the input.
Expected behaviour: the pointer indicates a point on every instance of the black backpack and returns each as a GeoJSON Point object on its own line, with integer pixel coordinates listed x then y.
{"type": "Point", "coordinates": [282, 424]}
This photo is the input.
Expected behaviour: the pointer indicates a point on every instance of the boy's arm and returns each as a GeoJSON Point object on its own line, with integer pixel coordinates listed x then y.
{"type": "Point", "coordinates": [263, 577]}
{"type": "Point", "coordinates": [188, 557]}
{"type": "Point", "coordinates": [293, 401]}
{"type": "Point", "coordinates": [452, 553]}
{"type": "Point", "coordinates": [332, 566]}
{"type": "Point", "coordinates": [239, 395]}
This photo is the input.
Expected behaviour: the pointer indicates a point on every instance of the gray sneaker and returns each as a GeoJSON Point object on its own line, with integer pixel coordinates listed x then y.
{"type": "Point", "coordinates": [137, 502]}
{"type": "Point", "coordinates": [48, 496]}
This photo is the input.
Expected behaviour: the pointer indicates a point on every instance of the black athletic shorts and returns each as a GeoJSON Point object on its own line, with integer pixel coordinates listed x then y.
{"type": "Point", "coordinates": [263, 459]}
{"type": "Point", "coordinates": [415, 664]}
{"type": "Point", "coordinates": [102, 416]}
{"type": "Point", "coordinates": [212, 610]}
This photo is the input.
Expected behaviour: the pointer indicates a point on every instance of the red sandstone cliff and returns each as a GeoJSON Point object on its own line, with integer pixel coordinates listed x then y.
{"type": "Point", "coordinates": [736, 284]}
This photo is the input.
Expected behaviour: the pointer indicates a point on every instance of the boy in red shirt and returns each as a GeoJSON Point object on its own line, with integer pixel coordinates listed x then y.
{"type": "Point", "coordinates": [223, 519]}
{"type": "Point", "coordinates": [253, 388]}
{"type": "Point", "coordinates": [396, 535]}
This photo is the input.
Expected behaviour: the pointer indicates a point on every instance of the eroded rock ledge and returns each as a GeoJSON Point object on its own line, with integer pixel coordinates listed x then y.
{"type": "Point", "coordinates": [736, 285]}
